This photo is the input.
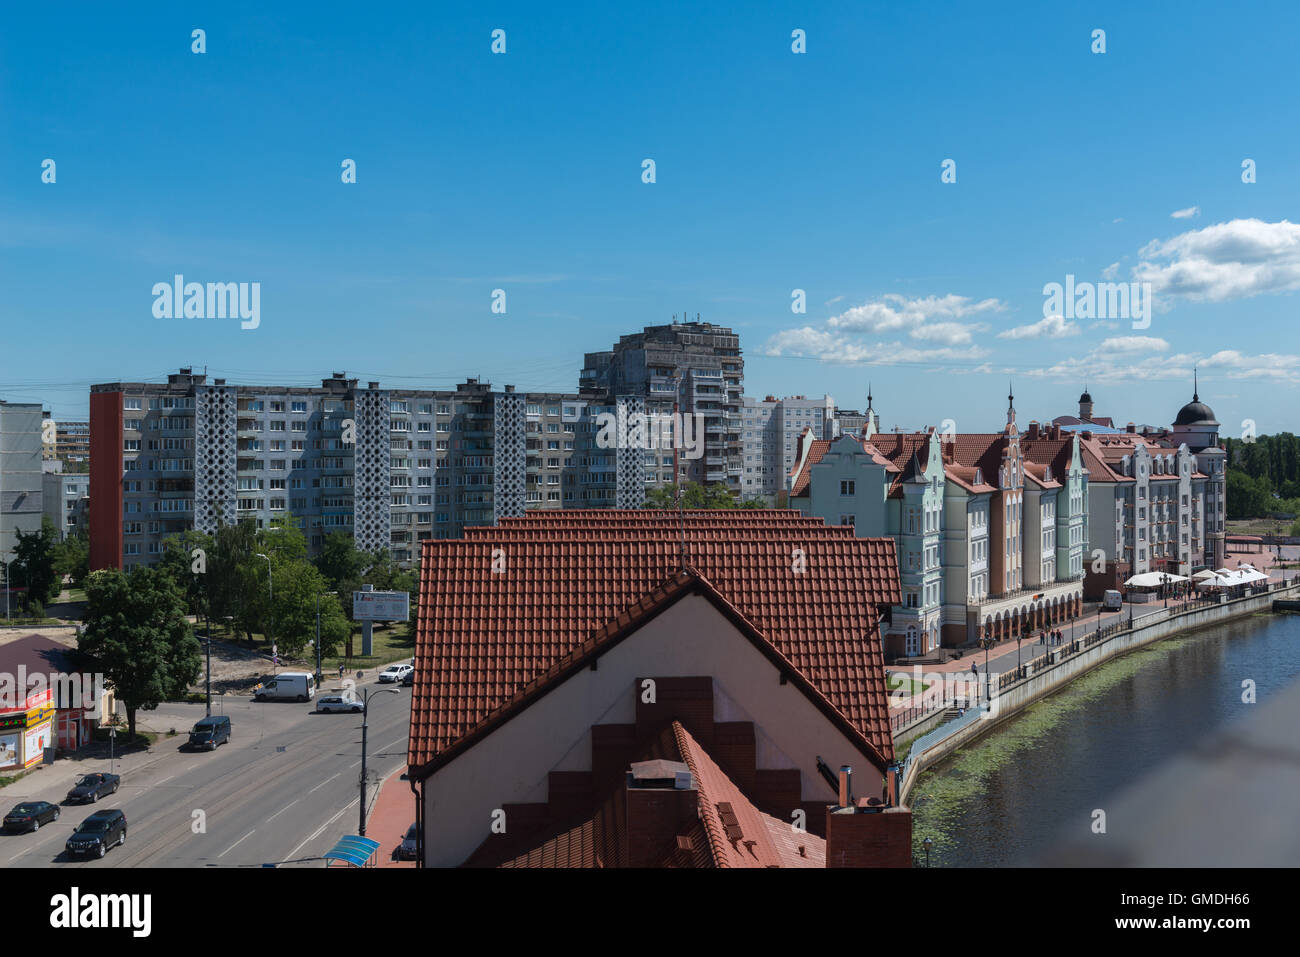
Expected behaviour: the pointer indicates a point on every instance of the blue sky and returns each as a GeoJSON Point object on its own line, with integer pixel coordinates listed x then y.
{"type": "Point", "coordinates": [774, 171]}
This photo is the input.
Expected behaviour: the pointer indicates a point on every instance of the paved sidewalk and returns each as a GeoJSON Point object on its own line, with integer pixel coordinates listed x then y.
{"type": "Point", "coordinates": [393, 813]}
{"type": "Point", "coordinates": [1002, 657]}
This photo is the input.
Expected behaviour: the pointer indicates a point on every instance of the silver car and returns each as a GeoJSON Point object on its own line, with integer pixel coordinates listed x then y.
{"type": "Point", "coordinates": [330, 703]}
{"type": "Point", "coordinates": [395, 673]}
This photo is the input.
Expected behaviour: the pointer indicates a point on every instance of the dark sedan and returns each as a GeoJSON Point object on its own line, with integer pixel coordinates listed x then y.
{"type": "Point", "coordinates": [92, 787]}
{"type": "Point", "coordinates": [30, 815]}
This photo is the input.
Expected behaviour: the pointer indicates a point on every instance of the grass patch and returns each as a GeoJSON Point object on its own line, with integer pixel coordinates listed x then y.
{"type": "Point", "coordinates": [910, 687]}
{"type": "Point", "coordinates": [142, 739]}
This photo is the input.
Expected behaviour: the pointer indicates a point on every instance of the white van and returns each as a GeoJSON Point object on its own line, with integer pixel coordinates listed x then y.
{"type": "Point", "coordinates": [1112, 600]}
{"type": "Point", "coordinates": [288, 686]}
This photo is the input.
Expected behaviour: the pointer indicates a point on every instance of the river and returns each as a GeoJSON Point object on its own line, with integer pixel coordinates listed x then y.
{"type": "Point", "coordinates": [1009, 795]}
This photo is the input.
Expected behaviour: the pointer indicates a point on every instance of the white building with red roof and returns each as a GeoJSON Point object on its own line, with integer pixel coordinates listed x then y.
{"type": "Point", "coordinates": [650, 688]}
{"type": "Point", "coordinates": [991, 528]}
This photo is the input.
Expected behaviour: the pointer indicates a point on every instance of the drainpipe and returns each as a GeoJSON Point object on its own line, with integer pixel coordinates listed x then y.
{"type": "Point", "coordinates": [416, 787]}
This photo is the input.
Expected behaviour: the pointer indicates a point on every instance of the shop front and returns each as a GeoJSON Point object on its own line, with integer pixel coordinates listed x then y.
{"type": "Point", "coordinates": [26, 731]}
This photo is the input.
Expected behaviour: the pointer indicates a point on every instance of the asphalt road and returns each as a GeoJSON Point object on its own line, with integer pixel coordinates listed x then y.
{"type": "Point", "coordinates": [284, 788]}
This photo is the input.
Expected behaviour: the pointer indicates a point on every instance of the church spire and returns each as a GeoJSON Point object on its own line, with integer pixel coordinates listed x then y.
{"type": "Point", "coordinates": [1011, 406]}
{"type": "Point", "coordinates": [1196, 390]}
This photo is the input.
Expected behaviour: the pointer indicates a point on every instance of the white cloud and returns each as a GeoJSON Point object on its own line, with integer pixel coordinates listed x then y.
{"type": "Point", "coordinates": [1112, 362]}
{"type": "Point", "coordinates": [941, 326]}
{"type": "Point", "coordinates": [1232, 260]}
{"type": "Point", "coordinates": [1188, 213]}
{"type": "Point", "coordinates": [1050, 327]}
{"type": "Point", "coordinates": [895, 313]}
{"type": "Point", "coordinates": [1131, 344]}
{"type": "Point", "coordinates": [1111, 271]}
{"type": "Point", "coordinates": [829, 346]}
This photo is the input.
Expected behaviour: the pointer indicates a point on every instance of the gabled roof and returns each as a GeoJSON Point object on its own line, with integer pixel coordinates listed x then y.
{"type": "Point", "coordinates": [489, 643]}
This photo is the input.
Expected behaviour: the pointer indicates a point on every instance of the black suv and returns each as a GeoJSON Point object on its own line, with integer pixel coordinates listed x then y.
{"type": "Point", "coordinates": [97, 833]}
{"type": "Point", "coordinates": [210, 732]}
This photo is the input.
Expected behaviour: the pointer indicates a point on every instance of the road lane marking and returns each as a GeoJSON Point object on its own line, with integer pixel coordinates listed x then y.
{"type": "Point", "coordinates": [236, 844]}
{"type": "Point", "coordinates": [323, 783]}
{"type": "Point", "coordinates": [163, 781]}
{"type": "Point", "coordinates": [387, 746]}
{"type": "Point", "coordinates": [322, 827]}
{"type": "Point", "coordinates": [282, 810]}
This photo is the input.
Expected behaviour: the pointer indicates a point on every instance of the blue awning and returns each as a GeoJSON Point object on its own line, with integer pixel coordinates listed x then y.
{"type": "Point", "coordinates": [352, 850]}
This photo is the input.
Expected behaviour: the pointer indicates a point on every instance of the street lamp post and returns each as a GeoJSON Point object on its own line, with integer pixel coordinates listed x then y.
{"type": "Point", "coordinates": [365, 719]}
{"type": "Point", "coordinates": [270, 583]}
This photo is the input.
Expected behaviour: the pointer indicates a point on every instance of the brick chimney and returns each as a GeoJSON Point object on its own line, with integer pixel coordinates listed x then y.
{"type": "Point", "coordinates": [662, 801]}
{"type": "Point", "coordinates": [1033, 430]}
{"type": "Point", "coordinates": [867, 832]}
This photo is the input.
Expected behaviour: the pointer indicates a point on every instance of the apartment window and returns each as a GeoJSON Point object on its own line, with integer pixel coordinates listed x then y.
{"type": "Point", "coordinates": [848, 487]}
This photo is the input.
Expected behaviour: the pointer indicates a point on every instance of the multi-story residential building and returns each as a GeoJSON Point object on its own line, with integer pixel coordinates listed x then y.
{"type": "Point", "coordinates": [991, 528]}
{"type": "Point", "coordinates": [65, 498]}
{"type": "Point", "coordinates": [1156, 495]}
{"type": "Point", "coordinates": [770, 440]}
{"type": "Point", "coordinates": [69, 442]}
{"type": "Point", "coordinates": [20, 473]}
{"type": "Point", "coordinates": [392, 467]}
{"type": "Point", "coordinates": [72, 442]}
{"type": "Point", "coordinates": [690, 367]}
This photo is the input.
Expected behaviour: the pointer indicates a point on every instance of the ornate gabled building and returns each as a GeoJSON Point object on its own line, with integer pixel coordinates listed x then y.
{"type": "Point", "coordinates": [1156, 496]}
{"type": "Point", "coordinates": [991, 527]}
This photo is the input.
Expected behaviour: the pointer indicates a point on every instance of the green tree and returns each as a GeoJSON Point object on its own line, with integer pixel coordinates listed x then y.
{"type": "Point", "coordinates": [137, 637]}
{"type": "Point", "coordinates": [1247, 496]}
{"type": "Point", "coordinates": [340, 560]}
{"type": "Point", "coordinates": [33, 564]}
{"type": "Point", "coordinates": [297, 585]}
{"type": "Point", "coordinates": [229, 575]}
{"type": "Point", "coordinates": [695, 495]}
{"type": "Point", "coordinates": [178, 563]}
{"type": "Point", "coordinates": [72, 558]}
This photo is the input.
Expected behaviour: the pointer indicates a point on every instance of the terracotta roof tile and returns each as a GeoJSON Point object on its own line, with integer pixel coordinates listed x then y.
{"type": "Point", "coordinates": [739, 833]}
{"type": "Point", "coordinates": [486, 641]}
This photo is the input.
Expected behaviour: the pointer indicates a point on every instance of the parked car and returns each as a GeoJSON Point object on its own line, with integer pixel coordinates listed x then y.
{"type": "Point", "coordinates": [30, 815]}
{"type": "Point", "coordinates": [97, 833]}
{"type": "Point", "coordinates": [288, 686]}
{"type": "Point", "coordinates": [210, 732]}
{"type": "Point", "coordinates": [395, 673]}
{"type": "Point", "coordinates": [92, 787]}
{"type": "Point", "coordinates": [409, 680]}
{"type": "Point", "coordinates": [331, 703]}
{"type": "Point", "coordinates": [406, 850]}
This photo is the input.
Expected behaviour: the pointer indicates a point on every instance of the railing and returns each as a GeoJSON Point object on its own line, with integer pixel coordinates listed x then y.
{"type": "Point", "coordinates": [1054, 654]}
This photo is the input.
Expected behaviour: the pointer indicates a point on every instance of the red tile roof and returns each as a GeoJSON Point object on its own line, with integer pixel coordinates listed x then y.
{"type": "Point", "coordinates": [739, 834]}
{"type": "Point", "coordinates": [488, 643]}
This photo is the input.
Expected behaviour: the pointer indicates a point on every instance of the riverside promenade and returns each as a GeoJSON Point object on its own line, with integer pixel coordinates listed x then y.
{"type": "Point", "coordinates": [934, 729]}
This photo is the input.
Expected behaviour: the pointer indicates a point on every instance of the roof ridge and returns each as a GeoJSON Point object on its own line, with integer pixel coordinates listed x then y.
{"type": "Point", "coordinates": [707, 811]}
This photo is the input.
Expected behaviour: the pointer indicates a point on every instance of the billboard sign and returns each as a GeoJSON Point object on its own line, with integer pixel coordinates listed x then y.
{"type": "Point", "coordinates": [381, 606]}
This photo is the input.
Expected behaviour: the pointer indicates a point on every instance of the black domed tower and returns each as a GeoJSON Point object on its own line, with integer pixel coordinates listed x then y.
{"type": "Point", "coordinates": [1196, 424]}
{"type": "Point", "coordinates": [1198, 429]}
{"type": "Point", "coordinates": [1085, 405]}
